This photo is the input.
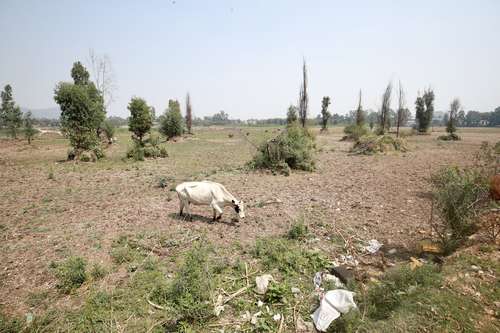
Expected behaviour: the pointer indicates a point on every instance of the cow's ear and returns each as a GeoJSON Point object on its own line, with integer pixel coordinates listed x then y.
{"type": "Point", "coordinates": [233, 201]}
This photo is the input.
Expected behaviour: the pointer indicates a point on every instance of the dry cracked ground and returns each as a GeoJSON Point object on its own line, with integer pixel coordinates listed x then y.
{"type": "Point", "coordinates": [50, 209]}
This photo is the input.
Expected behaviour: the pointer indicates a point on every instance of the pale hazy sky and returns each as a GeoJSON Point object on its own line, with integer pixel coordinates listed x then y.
{"type": "Point", "coordinates": [245, 57]}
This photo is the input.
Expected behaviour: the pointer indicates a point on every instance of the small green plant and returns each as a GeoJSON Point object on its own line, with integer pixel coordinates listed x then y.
{"type": "Point", "coordinates": [459, 195]}
{"type": "Point", "coordinates": [71, 274]}
{"type": "Point", "coordinates": [276, 292]}
{"type": "Point", "coordinates": [449, 137]}
{"type": "Point", "coordinates": [97, 271]}
{"type": "Point", "coordinates": [371, 144]}
{"type": "Point", "coordinates": [298, 231]}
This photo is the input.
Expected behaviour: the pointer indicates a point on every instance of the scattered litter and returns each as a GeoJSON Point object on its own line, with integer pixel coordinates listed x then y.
{"type": "Point", "coordinates": [260, 303]}
{"type": "Point", "coordinates": [277, 317]}
{"type": "Point", "coordinates": [318, 278]}
{"type": "Point", "coordinates": [219, 307]}
{"type": "Point", "coordinates": [255, 317]}
{"type": "Point", "coordinates": [295, 290]}
{"type": "Point", "coordinates": [348, 260]}
{"type": "Point", "coordinates": [304, 326]}
{"type": "Point", "coordinates": [29, 318]}
{"type": "Point", "coordinates": [475, 268]}
{"type": "Point", "coordinates": [333, 304]}
{"type": "Point", "coordinates": [430, 247]}
{"type": "Point", "coordinates": [415, 263]}
{"type": "Point", "coordinates": [373, 246]}
{"type": "Point", "coordinates": [262, 283]}
{"type": "Point", "coordinates": [336, 281]}
{"type": "Point", "coordinates": [392, 251]}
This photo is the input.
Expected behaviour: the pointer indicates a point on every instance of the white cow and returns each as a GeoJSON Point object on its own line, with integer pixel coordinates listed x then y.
{"type": "Point", "coordinates": [207, 193]}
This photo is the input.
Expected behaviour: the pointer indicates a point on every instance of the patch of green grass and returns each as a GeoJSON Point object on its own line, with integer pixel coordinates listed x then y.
{"type": "Point", "coordinates": [71, 274]}
{"type": "Point", "coordinates": [298, 231]}
{"type": "Point", "coordinates": [190, 292]}
{"type": "Point", "coordinates": [36, 299]}
{"type": "Point", "coordinates": [127, 249]}
{"type": "Point", "coordinates": [97, 271]}
{"type": "Point", "coordinates": [288, 256]}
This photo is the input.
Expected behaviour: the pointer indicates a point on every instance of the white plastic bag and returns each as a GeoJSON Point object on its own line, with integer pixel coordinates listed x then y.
{"type": "Point", "coordinates": [331, 306]}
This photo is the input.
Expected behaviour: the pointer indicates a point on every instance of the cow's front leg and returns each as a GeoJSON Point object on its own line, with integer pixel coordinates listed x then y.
{"type": "Point", "coordinates": [216, 209]}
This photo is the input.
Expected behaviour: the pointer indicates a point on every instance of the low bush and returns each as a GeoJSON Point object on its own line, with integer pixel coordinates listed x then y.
{"type": "Point", "coordinates": [292, 149]}
{"type": "Point", "coordinates": [449, 137]}
{"type": "Point", "coordinates": [459, 195]}
{"type": "Point", "coordinates": [71, 274]}
{"type": "Point", "coordinates": [354, 132]}
{"type": "Point", "coordinates": [97, 271]}
{"type": "Point", "coordinates": [371, 144]}
{"type": "Point", "coordinates": [150, 148]}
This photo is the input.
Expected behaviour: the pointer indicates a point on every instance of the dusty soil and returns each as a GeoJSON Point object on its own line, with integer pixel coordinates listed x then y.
{"type": "Point", "coordinates": [51, 209]}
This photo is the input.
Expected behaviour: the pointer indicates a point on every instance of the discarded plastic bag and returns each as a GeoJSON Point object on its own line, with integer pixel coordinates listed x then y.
{"type": "Point", "coordinates": [373, 246]}
{"type": "Point", "coordinates": [262, 283]}
{"type": "Point", "coordinates": [334, 303]}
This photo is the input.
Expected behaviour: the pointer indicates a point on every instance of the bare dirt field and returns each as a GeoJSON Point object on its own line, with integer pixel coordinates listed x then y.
{"type": "Point", "coordinates": [51, 209]}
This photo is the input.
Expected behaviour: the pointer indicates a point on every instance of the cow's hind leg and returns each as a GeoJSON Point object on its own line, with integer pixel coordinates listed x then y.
{"type": "Point", "coordinates": [181, 207]}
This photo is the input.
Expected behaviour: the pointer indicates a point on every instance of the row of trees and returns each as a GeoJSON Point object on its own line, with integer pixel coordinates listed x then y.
{"type": "Point", "coordinates": [12, 118]}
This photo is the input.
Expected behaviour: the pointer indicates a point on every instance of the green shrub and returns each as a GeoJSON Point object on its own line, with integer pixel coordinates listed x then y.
{"type": "Point", "coordinates": [287, 256]}
{"type": "Point", "coordinates": [190, 292]}
{"type": "Point", "coordinates": [276, 292]}
{"type": "Point", "coordinates": [150, 148]}
{"type": "Point", "coordinates": [71, 274]}
{"type": "Point", "coordinates": [292, 149]}
{"type": "Point", "coordinates": [459, 194]}
{"type": "Point", "coordinates": [371, 144]}
{"type": "Point", "coordinates": [354, 132]}
{"type": "Point", "coordinates": [449, 137]}
{"type": "Point", "coordinates": [298, 231]}
{"type": "Point", "coordinates": [97, 271]}
{"type": "Point", "coordinates": [109, 130]}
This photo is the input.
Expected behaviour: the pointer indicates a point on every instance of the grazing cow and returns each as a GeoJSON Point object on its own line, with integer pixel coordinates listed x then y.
{"type": "Point", "coordinates": [207, 193]}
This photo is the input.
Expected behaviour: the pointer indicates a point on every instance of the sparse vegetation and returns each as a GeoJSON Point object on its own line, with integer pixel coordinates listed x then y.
{"type": "Point", "coordinates": [109, 131]}
{"type": "Point", "coordinates": [325, 115]}
{"type": "Point", "coordinates": [459, 195]}
{"type": "Point", "coordinates": [71, 274]}
{"type": "Point", "coordinates": [29, 130]}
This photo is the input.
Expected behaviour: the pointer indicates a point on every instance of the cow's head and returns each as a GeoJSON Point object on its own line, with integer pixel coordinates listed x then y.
{"type": "Point", "coordinates": [239, 208]}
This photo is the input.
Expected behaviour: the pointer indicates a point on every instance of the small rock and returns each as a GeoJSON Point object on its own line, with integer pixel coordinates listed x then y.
{"type": "Point", "coordinates": [277, 317]}
{"type": "Point", "coordinates": [392, 251]}
{"type": "Point", "coordinates": [344, 274]}
{"type": "Point", "coordinates": [295, 290]}
{"type": "Point", "coordinates": [475, 268]}
{"type": "Point", "coordinates": [260, 303]}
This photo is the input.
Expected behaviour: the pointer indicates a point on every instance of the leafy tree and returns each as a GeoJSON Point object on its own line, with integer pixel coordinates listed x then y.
{"type": "Point", "coordinates": [325, 115]}
{"type": "Point", "coordinates": [461, 118]}
{"type": "Point", "coordinates": [11, 115]}
{"type": "Point", "coordinates": [424, 106]}
{"type": "Point", "coordinates": [220, 118]}
{"type": "Point", "coordinates": [189, 114]}
{"type": "Point", "coordinates": [473, 119]}
{"type": "Point", "coordinates": [360, 114]}
{"type": "Point", "coordinates": [400, 117]}
{"type": "Point", "coordinates": [172, 123]}
{"type": "Point", "coordinates": [140, 121]}
{"type": "Point", "coordinates": [29, 130]}
{"type": "Point", "coordinates": [82, 110]}
{"type": "Point", "coordinates": [452, 118]}
{"type": "Point", "coordinates": [495, 117]}
{"type": "Point", "coordinates": [303, 97]}
{"type": "Point", "coordinates": [291, 115]}
{"type": "Point", "coordinates": [384, 120]}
